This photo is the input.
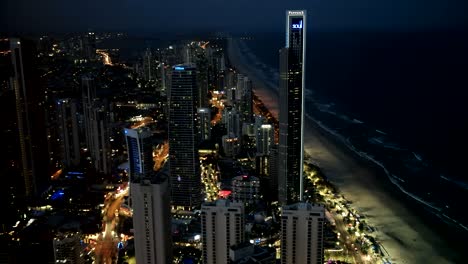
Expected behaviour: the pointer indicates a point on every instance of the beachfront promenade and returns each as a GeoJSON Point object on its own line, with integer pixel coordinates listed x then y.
{"type": "Point", "coordinates": [356, 243]}
{"type": "Point", "coordinates": [399, 231]}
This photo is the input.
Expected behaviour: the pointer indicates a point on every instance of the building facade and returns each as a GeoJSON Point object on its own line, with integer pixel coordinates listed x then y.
{"type": "Point", "coordinates": [69, 132]}
{"type": "Point", "coordinates": [222, 227]}
{"type": "Point", "coordinates": [97, 120]}
{"type": "Point", "coordinates": [29, 102]}
{"type": "Point", "coordinates": [245, 189]}
{"type": "Point", "coordinates": [204, 123]}
{"type": "Point", "coordinates": [68, 249]}
{"type": "Point", "coordinates": [150, 200]}
{"type": "Point", "coordinates": [265, 139]}
{"type": "Point", "coordinates": [291, 116]}
{"type": "Point", "coordinates": [232, 121]}
{"type": "Point", "coordinates": [152, 220]}
{"type": "Point", "coordinates": [244, 97]}
{"type": "Point", "coordinates": [302, 233]}
{"type": "Point", "coordinates": [183, 154]}
{"type": "Point", "coordinates": [140, 153]}
{"type": "Point", "coordinates": [231, 145]}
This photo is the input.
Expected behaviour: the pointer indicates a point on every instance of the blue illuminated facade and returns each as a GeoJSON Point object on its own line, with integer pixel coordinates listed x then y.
{"type": "Point", "coordinates": [140, 153]}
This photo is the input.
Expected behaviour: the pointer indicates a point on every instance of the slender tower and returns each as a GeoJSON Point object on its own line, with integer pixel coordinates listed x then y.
{"type": "Point", "coordinates": [29, 100]}
{"type": "Point", "coordinates": [291, 118]}
{"type": "Point", "coordinates": [68, 131]}
{"type": "Point", "coordinates": [184, 165]}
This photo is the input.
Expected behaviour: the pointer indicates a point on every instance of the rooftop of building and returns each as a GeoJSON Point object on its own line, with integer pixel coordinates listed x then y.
{"type": "Point", "coordinates": [241, 245]}
{"type": "Point", "coordinates": [183, 67]}
{"type": "Point", "coordinates": [221, 203]}
{"type": "Point", "coordinates": [247, 178]}
{"type": "Point", "coordinates": [304, 206]}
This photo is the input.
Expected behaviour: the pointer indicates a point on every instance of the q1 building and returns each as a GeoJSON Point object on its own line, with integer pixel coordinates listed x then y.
{"type": "Point", "coordinates": [291, 116]}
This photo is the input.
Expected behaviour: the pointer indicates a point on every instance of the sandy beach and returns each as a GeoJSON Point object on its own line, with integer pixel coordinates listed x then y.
{"type": "Point", "coordinates": [404, 235]}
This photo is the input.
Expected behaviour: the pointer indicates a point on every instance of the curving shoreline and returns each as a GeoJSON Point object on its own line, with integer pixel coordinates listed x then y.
{"type": "Point", "coordinates": [401, 231]}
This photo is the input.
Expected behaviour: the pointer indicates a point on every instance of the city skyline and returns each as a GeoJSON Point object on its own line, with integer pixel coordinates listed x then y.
{"type": "Point", "coordinates": [242, 132]}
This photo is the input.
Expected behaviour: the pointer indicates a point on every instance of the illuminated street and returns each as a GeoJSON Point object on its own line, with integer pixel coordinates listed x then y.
{"type": "Point", "coordinates": [160, 155]}
{"type": "Point", "coordinates": [105, 57]}
{"type": "Point", "coordinates": [141, 121]}
{"type": "Point", "coordinates": [217, 101]}
{"type": "Point", "coordinates": [210, 177]}
{"type": "Point", "coordinates": [106, 247]}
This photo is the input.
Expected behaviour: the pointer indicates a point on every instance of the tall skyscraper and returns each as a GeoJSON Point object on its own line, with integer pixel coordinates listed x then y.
{"type": "Point", "coordinates": [88, 96]}
{"type": "Point", "coordinates": [244, 97]}
{"type": "Point", "coordinates": [302, 234]}
{"type": "Point", "coordinates": [240, 85]}
{"type": "Point", "coordinates": [291, 116]}
{"type": "Point", "coordinates": [152, 220]}
{"type": "Point", "coordinates": [149, 65]}
{"type": "Point", "coordinates": [150, 200]}
{"type": "Point", "coordinates": [69, 133]}
{"type": "Point", "coordinates": [140, 153]}
{"type": "Point", "coordinates": [204, 123]}
{"type": "Point", "coordinates": [183, 154]}
{"type": "Point", "coordinates": [231, 119]}
{"type": "Point", "coordinates": [222, 227]}
{"type": "Point", "coordinates": [163, 73]}
{"type": "Point", "coordinates": [89, 46]}
{"type": "Point", "coordinates": [273, 171]}
{"type": "Point", "coordinates": [203, 78]}
{"type": "Point", "coordinates": [229, 79]}
{"type": "Point", "coordinates": [265, 139]}
{"type": "Point", "coordinates": [29, 98]}
{"type": "Point", "coordinates": [187, 53]}
{"type": "Point", "coordinates": [97, 126]}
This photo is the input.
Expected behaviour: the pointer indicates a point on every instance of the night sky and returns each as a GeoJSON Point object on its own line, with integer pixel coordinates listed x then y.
{"type": "Point", "coordinates": [239, 15]}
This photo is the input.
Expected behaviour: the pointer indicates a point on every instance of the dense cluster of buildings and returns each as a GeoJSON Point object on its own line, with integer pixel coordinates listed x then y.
{"type": "Point", "coordinates": [178, 109]}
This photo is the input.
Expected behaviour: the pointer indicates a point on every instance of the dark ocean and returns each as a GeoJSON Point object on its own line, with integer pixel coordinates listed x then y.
{"type": "Point", "coordinates": [399, 99]}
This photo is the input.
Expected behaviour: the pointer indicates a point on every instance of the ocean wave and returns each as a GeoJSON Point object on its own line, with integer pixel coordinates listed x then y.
{"type": "Point", "coordinates": [392, 146]}
{"type": "Point", "coordinates": [382, 142]}
{"type": "Point", "coordinates": [329, 130]}
{"type": "Point", "coordinates": [357, 121]}
{"type": "Point", "coordinates": [376, 140]}
{"type": "Point", "coordinates": [393, 179]}
{"type": "Point", "coordinates": [418, 157]}
{"type": "Point", "coordinates": [381, 132]}
{"type": "Point", "coordinates": [398, 178]}
{"type": "Point", "coordinates": [461, 184]}
{"type": "Point", "coordinates": [447, 219]}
